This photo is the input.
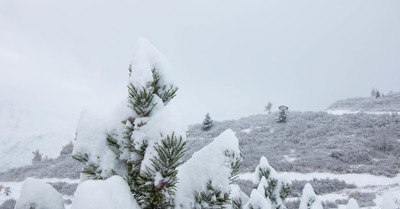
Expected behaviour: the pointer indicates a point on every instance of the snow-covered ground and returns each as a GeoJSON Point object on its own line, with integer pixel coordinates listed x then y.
{"type": "Point", "coordinates": [380, 185]}
{"type": "Point", "coordinates": [15, 188]}
{"type": "Point", "coordinates": [342, 112]}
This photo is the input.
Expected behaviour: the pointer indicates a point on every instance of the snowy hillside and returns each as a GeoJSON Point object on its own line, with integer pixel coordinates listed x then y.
{"type": "Point", "coordinates": [335, 153]}
{"type": "Point", "coordinates": [313, 142]}
{"type": "Point", "coordinates": [21, 133]}
{"type": "Point", "coordinates": [387, 104]}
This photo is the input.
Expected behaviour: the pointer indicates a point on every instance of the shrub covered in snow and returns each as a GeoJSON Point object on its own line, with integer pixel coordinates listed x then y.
{"type": "Point", "coordinates": [107, 194]}
{"type": "Point", "coordinates": [352, 204]}
{"type": "Point", "coordinates": [36, 194]}
{"type": "Point", "coordinates": [271, 186]}
{"type": "Point", "coordinates": [204, 180]}
{"type": "Point", "coordinates": [146, 148]}
{"type": "Point", "coordinates": [309, 200]}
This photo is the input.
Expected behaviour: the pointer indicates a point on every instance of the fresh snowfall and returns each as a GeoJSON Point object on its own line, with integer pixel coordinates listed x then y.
{"type": "Point", "coordinates": [142, 156]}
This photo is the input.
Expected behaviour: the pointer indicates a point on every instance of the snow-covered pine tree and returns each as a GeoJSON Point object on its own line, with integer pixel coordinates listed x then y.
{"type": "Point", "coordinates": [282, 115]}
{"type": "Point", "coordinates": [207, 123]}
{"type": "Point", "coordinates": [146, 148]}
{"type": "Point", "coordinates": [270, 185]}
{"type": "Point", "coordinates": [309, 200]}
{"type": "Point", "coordinates": [205, 179]}
{"type": "Point", "coordinates": [7, 191]}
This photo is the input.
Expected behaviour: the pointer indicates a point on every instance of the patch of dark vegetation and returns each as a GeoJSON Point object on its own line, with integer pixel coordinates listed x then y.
{"type": "Point", "coordinates": [64, 188]}
{"type": "Point", "coordinates": [320, 186]}
{"type": "Point", "coordinates": [314, 141]}
{"type": "Point", "coordinates": [364, 199]}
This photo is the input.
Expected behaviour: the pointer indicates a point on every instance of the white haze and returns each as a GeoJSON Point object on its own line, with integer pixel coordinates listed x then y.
{"type": "Point", "coordinates": [230, 57]}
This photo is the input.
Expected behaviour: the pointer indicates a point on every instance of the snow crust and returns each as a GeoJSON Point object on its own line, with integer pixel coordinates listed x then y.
{"type": "Point", "coordinates": [98, 194]}
{"type": "Point", "coordinates": [209, 163]}
{"type": "Point", "coordinates": [144, 59]}
{"type": "Point", "coordinates": [40, 195]}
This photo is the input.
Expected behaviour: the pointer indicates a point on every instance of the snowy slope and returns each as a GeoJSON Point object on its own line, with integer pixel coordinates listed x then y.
{"type": "Point", "coordinates": [387, 104]}
{"type": "Point", "coordinates": [21, 133]}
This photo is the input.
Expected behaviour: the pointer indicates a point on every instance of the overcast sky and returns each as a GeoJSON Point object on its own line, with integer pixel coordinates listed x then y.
{"type": "Point", "coordinates": [230, 57]}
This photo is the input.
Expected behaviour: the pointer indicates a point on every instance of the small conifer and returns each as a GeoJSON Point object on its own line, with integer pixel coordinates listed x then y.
{"type": "Point", "coordinates": [207, 123]}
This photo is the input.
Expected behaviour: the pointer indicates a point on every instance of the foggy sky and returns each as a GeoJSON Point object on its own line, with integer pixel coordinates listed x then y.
{"type": "Point", "coordinates": [230, 58]}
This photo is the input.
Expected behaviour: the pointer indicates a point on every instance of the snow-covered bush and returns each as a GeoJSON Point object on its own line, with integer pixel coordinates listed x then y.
{"type": "Point", "coordinates": [98, 194]}
{"type": "Point", "coordinates": [204, 180]}
{"type": "Point", "coordinates": [309, 200]}
{"type": "Point", "coordinates": [36, 194]}
{"type": "Point", "coordinates": [273, 187]}
{"type": "Point", "coordinates": [258, 201]}
{"type": "Point", "coordinates": [352, 204]}
{"type": "Point", "coordinates": [146, 148]}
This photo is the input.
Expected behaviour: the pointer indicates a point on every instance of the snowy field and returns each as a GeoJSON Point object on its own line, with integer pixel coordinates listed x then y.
{"type": "Point", "coordinates": [380, 185]}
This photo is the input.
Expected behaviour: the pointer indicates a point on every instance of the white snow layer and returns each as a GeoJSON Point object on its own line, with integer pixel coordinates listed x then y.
{"type": "Point", "coordinates": [145, 58]}
{"type": "Point", "coordinates": [388, 202]}
{"type": "Point", "coordinates": [309, 197]}
{"type": "Point", "coordinates": [37, 194]}
{"type": "Point", "coordinates": [91, 139]}
{"type": "Point", "coordinates": [98, 194]}
{"type": "Point", "coordinates": [209, 163]}
{"type": "Point", "coordinates": [257, 200]}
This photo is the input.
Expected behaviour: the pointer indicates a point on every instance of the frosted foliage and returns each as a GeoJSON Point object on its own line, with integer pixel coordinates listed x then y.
{"type": "Point", "coordinates": [257, 201]}
{"type": "Point", "coordinates": [145, 58]}
{"type": "Point", "coordinates": [104, 194]}
{"type": "Point", "coordinates": [309, 200]}
{"type": "Point", "coordinates": [208, 164]}
{"type": "Point", "coordinates": [352, 204]}
{"type": "Point", "coordinates": [39, 195]}
{"type": "Point", "coordinates": [275, 187]}
{"type": "Point", "coordinates": [388, 202]}
{"type": "Point", "coordinates": [263, 164]}
{"type": "Point", "coordinates": [237, 195]}
{"type": "Point", "coordinates": [90, 139]}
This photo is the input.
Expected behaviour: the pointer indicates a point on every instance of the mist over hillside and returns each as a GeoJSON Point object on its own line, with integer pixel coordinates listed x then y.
{"type": "Point", "coordinates": [22, 132]}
